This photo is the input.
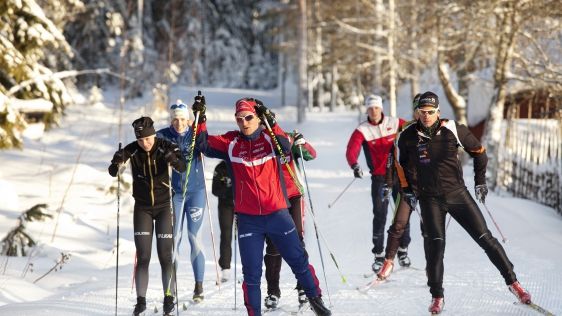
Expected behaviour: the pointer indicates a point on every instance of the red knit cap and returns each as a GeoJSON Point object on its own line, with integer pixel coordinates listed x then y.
{"type": "Point", "coordinates": [245, 104]}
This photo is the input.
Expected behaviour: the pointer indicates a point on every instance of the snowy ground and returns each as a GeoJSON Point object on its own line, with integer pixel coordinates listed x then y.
{"type": "Point", "coordinates": [46, 172]}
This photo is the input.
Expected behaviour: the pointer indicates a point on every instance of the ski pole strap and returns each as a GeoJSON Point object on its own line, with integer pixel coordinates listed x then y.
{"type": "Point", "coordinates": [284, 159]}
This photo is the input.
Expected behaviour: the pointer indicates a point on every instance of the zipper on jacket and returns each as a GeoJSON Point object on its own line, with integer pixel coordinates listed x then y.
{"type": "Point", "coordinates": [254, 176]}
{"type": "Point", "coordinates": [151, 180]}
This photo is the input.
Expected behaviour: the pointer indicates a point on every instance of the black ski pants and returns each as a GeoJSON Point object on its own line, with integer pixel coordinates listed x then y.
{"type": "Point", "coordinates": [147, 219]}
{"type": "Point", "coordinates": [226, 218]}
{"type": "Point", "coordinates": [380, 211]}
{"type": "Point", "coordinates": [464, 210]}
{"type": "Point", "coordinates": [272, 258]}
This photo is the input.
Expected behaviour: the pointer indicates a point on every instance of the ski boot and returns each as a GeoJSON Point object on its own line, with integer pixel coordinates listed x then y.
{"type": "Point", "coordinates": [403, 258]}
{"type": "Point", "coordinates": [318, 306]}
{"type": "Point", "coordinates": [386, 269]}
{"type": "Point", "coordinates": [302, 296]}
{"type": "Point", "coordinates": [522, 295]}
{"type": "Point", "coordinates": [198, 292]}
{"type": "Point", "coordinates": [140, 307]}
{"type": "Point", "coordinates": [169, 306]}
{"type": "Point", "coordinates": [225, 275]}
{"type": "Point", "coordinates": [379, 260]}
{"type": "Point", "coordinates": [436, 306]}
{"type": "Point", "coordinates": [271, 301]}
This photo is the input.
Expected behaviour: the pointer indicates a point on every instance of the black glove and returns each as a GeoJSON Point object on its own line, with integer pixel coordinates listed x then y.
{"type": "Point", "coordinates": [357, 172]}
{"type": "Point", "coordinates": [264, 113]}
{"type": "Point", "coordinates": [200, 106]}
{"type": "Point", "coordinates": [410, 198]}
{"type": "Point", "coordinates": [171, 157]}
{"type": "Point", "coordinates": [118, 158]}
{"type": "Point", "coordinates": [298, 139]}
{"type": "Point", "coordinates": [386, 192]}
{"type": "Point", "coordinates": [481, 192]}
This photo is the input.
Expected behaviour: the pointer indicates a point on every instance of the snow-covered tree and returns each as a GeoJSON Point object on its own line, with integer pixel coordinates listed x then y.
{"type": "Point", "coordinates": [28, 42]}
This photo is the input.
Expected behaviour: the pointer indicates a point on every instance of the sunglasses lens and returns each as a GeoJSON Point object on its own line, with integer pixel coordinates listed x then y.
{"type": "Point", "coordinates": [246, 118]}
{"type": "Point", "coordinates": [430, 112]}
{"type": "Point", "coordinates": [178, 106]}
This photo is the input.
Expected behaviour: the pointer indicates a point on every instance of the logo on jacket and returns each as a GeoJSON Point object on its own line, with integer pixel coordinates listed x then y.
{"type": "Point", "coordinates": [423, 154]}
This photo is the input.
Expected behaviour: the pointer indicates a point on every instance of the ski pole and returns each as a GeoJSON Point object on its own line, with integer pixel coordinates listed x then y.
{"type": "Point", "coordinates": [118, 207]}
{"type": "Point", "coordinates": [212, 230]}
{"type": "Point", "coordinates": [174, 251]}
{"type": "Point", "coordinates": [343, 278]}
{"type": "Point", "coordinates": [494, 221]}
{"type": "Point", "coordinates": [315, 227]}
{"type": "Point", "coordinates": [235, 251]}
{"type": "Point", "coordinates": [189, 160]}
{"type": "Point", "coordinates": [134, 272]}
{"type": "Point", "coordinates": [284, 159]}
{"type": "Point", "coordinates": [448, 222]}
{"type": "Point", "coordinates": [342, 192]}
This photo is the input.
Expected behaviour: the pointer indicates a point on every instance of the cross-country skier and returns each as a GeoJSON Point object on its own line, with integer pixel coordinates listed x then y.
{"type": "Point", "coordinates": [429, 150]}
{"type": "Point", "coordinates": [188, 195]}
{"type": "Point", "coordinates": [376, 136]}
{"type": "Point", "coordinates": [272, 258]}
{"type": "Point", "coordinates": [401, 222]}
{"type": "Point", "coordinates": [260, 198]}
{"type": "Point", "coordinates": [150, 157]}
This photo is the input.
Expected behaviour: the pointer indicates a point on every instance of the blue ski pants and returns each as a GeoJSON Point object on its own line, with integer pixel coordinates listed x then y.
{"type": "Point", "coordinates": [192, 213]}
{"type": "Point", "coordinates": [280, 229]}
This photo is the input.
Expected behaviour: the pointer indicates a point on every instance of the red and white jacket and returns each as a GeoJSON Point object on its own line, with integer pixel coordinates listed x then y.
{"type": "Point", "coordinates": [257, 180]}
{"type": "Point", "coordinates": [376, 139]}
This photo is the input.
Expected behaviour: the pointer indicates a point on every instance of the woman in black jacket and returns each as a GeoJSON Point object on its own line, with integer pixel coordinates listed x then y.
{"type": "Point", "coordinates": [149, 158]}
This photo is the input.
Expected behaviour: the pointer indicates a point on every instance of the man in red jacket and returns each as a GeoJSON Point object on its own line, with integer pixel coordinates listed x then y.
{"type": "Point", "coordinates": [376, 136]}
{"type": "Point", "coordinates": [260, 198]}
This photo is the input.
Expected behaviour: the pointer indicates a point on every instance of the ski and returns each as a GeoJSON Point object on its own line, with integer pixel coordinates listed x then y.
{"type": "Point", "coordinates": [300, 310]}
{"type": "Point", "coordinates": [272, 309]}
{"type": "Point", "coordinates": [537, 308]}
{"type": "Point", "coordinates": [371, 274]}
{"type": "Point", "coordinates": [368, 286]}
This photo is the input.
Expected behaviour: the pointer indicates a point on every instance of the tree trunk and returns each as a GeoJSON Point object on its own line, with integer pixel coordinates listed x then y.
{"type": "Point", "coordinates": [318, 60]}
{"type": "Point", "coordinates": [456, 101]}
{"type": "Point", "coordinates": [302, 92]}
{"type": "Point", "coordinates": [391, 59]}
{"type": "Point", "coordinates": [503, 64]}
{"type": "Point", "coordinates": [334, 87]}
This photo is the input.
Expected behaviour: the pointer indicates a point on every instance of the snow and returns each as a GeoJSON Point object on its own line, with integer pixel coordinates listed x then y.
{"type": "Point", "coordinates": [66, 168]}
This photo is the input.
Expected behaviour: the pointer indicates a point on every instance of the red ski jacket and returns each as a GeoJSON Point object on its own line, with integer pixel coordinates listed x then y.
{"type": "Point", "coordinates": [258, 184]}
{"type": "Point", "coordinates": [376, 140]}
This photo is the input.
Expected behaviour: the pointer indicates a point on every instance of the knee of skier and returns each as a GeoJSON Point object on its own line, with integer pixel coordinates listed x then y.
{"type": "Point", "coordinates": [487, 241]}
{"type": "Point", "coordinates": [437, 243]}
{"type": "Point", "coordinates": [143, 259]}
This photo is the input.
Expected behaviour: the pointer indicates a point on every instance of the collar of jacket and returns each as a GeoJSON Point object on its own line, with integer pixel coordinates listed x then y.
{"type": "Point", "coordinates": [252, 136]}
{"type": "Point", "coordinates": [377, 123]}
{"type": "Point", "coordinates": [431, 130]}
{"type": "Point", "coordinates": [176, 134]}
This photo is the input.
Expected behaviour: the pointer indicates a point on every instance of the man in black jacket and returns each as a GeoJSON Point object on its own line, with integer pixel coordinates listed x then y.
{"type": "Point", "coordinates": [149, 158]}
{"type": "Point", "coordinates": [428, 149]}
